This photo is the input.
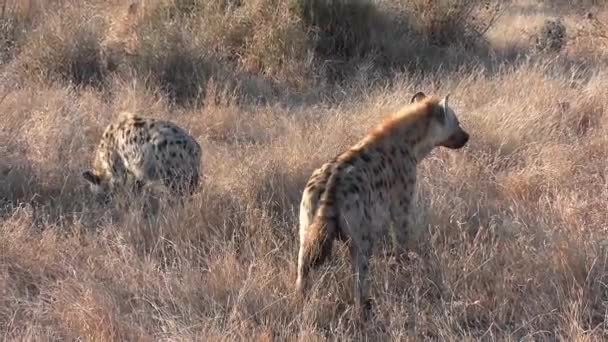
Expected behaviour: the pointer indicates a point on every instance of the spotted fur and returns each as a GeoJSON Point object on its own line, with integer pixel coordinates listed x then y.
{"type": "Point", "coordinates": [356, 196]}
{"type": "Point", "coordinates": [135, 151]}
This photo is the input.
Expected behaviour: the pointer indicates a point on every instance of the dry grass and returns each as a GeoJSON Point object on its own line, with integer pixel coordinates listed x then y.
{"type": "Point", "coordinates": [513, 228]}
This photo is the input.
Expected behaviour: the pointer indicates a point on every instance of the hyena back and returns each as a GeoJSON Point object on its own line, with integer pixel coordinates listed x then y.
{"type": "Point", "coordinates": [135, 151]}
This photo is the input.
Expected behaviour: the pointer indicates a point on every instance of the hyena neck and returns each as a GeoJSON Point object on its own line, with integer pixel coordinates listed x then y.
{"type": "Point", "coordinates": [422, 150]}
{"type": "Point", "coordinates": [410, 128]}
{"type": "Point", "coordinates": [408, 141]}
{"type": "Point", "coordinates": [417, 135]}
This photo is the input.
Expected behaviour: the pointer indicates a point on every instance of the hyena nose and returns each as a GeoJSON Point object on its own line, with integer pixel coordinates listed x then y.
{"type": "Point", "coordinates": [465, 137]}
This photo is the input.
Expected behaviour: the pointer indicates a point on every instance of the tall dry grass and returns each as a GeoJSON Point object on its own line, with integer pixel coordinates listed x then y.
{"type": "Point", "coordinates": [512, 228]}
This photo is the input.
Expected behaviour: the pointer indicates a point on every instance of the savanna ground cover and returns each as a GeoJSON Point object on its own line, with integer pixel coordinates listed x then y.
{"type": "Point", "coordinates": [512, 229]}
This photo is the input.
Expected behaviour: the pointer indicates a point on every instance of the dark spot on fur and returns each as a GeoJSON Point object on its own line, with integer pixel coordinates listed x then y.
{"type": "Point", "coordinates": [366, 158]}
{"type": "Point", "coordinates": [353, 189]}
{"type": "Point", "coordinates": [410, 179]}
{"type": "Point", "coordinates": [383, 160]}
{"type": "Point", "coordinates": [162, 144]}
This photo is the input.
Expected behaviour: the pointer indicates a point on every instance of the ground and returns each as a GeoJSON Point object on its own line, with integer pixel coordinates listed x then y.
{"type": "Point", "coordinates": [515, 223]}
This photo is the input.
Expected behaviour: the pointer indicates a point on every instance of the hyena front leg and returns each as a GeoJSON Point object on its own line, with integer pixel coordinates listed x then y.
{"type": "Point", "coordinates": [402, 230]}
{"type": "Point", "coordinates": [151, 205]}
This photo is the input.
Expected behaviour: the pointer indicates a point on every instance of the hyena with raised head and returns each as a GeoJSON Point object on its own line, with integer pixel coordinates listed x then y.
{"type": "Point", "coordinates": [355, 196]}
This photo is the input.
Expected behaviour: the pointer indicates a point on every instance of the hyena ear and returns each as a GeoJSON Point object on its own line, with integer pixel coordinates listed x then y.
{"type": "Point", "coordinates": [419, 96]}
{"type": "Point", "coordinates": [444, 103]}
{"type": "Point", "coordinates": [444, 109]}
{"type": "Point", "coordinates": [91, 177]}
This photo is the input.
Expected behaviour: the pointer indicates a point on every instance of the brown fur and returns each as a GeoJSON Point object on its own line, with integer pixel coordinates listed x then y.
{"type": "Point", "coordinates": [357, 194]}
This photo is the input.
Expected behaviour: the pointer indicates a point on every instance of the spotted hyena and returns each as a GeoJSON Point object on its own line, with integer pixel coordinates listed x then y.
{"type": "Point", "coordinates": [356, 195]}
{"type": "Point", "coordinates": [135, 151]}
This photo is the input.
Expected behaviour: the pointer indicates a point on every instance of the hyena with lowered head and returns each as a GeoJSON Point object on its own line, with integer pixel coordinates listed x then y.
{"type": "Point", "coordinates": [135, 151]}
{"type": "Point", "coordinates": [355, 196]}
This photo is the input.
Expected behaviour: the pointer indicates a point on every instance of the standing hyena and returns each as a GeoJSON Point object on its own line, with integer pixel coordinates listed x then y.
{"type": "Point", "coordinates": [136, 151]}
{"type": "Point", "coordinates": [354, 197]}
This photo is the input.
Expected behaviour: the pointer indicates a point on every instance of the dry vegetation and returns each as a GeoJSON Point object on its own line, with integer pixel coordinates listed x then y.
{"type": "Point", "coordinates": [514, 226]}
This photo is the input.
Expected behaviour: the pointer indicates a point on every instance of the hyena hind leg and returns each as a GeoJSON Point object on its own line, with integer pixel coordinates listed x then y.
{"type": "Point", "coordinates": [360, 257]}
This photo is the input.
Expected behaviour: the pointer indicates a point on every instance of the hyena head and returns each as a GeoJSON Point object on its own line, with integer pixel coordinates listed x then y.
{"type": "Point", "coordinates": [445, 129]}
{"type": "Point", "coordinates": [99, 186]}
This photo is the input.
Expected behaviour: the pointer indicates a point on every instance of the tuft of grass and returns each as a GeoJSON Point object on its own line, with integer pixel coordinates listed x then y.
{"type": "Point", "coordinates": [454, 22]}
{"type": "Point", "coordinates": [552, 36]}
{"type": "Point", "coordinates": [297, 45]}
{"type": "Point", "coordinates": [167, 53]}
{"type": "Point", "coordinates": [66, 46]}
{"type": "Point", "coordinates": [14, 22]}
{"type": "Point", "coordinates": [342, 29]}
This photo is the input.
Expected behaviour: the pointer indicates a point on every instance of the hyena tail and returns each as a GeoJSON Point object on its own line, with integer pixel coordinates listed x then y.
{"type": "Point", "coordinates": [315, 247]}
{"type": "Point", "coordinates": [317, 239]}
